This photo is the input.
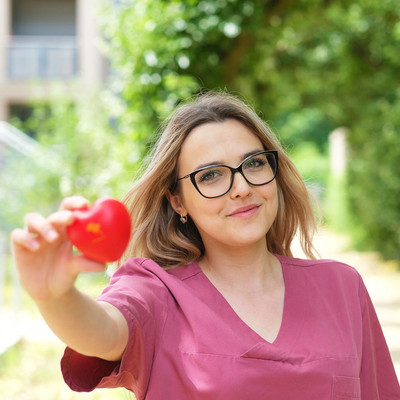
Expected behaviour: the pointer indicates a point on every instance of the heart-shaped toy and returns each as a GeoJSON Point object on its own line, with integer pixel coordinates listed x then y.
{"type": "Point", "coordinates": [101, 232]}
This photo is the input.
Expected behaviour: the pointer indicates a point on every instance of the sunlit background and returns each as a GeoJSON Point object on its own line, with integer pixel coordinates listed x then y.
{"type": "Point", "coordinates": [84, 85]}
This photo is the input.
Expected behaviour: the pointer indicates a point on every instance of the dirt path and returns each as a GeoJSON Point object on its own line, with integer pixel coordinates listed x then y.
{"type": "Point", "coordinates": [382, 279]}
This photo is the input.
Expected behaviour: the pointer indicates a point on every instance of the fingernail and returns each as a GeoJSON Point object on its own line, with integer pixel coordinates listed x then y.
{"type": "Point", "coordinates": [34, 245]}
{"type": "Point", "coordinates": [51, 235]}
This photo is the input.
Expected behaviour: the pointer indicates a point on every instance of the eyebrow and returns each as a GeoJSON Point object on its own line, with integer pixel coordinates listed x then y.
{"type": "Point", "coordinates": [211, 163]}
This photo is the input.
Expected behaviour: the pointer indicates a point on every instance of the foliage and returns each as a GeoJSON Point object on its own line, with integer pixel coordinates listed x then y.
{"type": "Point", "coordinates": [79, 154]}
{"type": "Point", "coordinates": [371, 111]}
{"type": "Point", "coordinates": [149, 68]}
{"type": "Point", "coordinates": [30, 371]}
{"type": "Point", "coordinates": [308, 66]}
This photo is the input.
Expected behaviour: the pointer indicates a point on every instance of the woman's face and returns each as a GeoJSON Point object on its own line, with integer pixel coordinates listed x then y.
{"type": "Point", "coordinates": [241, 217]}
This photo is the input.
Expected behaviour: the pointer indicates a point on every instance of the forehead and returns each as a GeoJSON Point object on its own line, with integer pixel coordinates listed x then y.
{"type": "Point", "coordinates": [217, 142]}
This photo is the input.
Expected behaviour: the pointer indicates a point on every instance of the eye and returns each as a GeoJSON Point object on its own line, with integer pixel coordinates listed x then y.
{"type": "Point", "coordinates": [255, 163]}
{"type": "Point", "coordinates": [209, 175]}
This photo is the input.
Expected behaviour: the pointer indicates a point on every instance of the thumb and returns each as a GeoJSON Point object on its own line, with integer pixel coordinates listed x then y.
{"type": "Point", "coordinates": [85, 264]}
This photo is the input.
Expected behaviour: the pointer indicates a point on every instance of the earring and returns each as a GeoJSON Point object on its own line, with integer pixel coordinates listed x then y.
{"type": "Point", "coordinates": [183, 219]}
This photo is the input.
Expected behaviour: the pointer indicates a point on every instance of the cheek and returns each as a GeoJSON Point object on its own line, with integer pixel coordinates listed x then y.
{"type": "Point", "coordinates": [195, 204]}
{"type": "Point", "coordinates": [201, 210]}
{"type": "Point", "coordinates": [270, 192]}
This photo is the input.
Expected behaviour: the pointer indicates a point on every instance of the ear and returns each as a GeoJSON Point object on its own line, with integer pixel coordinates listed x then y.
{"type": "Point", "coordinates": [176, 203]}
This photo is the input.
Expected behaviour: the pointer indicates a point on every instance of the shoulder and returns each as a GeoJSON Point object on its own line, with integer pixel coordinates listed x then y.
{"type": "Point", "coordinates": [322, 269]}
{"type": "Point", "coordinates": [145, 275]}
{"type": "Point", "coordinates": [137, 265]}
{"type": "Point", "coordinates": [138, 280]}
{"type": "Point", "coordinates": [146, 285]}
{"type": "Point", "coordinates": [147, 268]}
{"type": "Point", "coordinates": [326, 264]}
{"type": "Point", "coordinates": [327, 279]}
{"type": "Point", "coordinates": [140, 288]}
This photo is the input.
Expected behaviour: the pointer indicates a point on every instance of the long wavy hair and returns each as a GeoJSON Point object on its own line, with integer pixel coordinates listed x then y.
{"type": "Point", "coordinates": [157, 232]}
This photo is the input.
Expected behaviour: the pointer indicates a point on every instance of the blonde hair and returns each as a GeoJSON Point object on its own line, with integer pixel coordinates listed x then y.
{"type": "Point", "coordinates": [157, 232]}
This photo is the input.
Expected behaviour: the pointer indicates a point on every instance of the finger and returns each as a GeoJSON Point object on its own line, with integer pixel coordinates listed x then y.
{"type": "Point", "coordinates": [38, 225]}
{"type": "Point", "coordinates": [85, 264]}
{"type": "Point", "coordinates": [61, 218]}
{"type": "Point", "coordinates": [74, 202]}
{"type": "Point", "coordinates": [25, 239]}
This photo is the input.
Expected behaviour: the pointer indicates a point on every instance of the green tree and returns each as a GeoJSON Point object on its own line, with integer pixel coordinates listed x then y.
{"type": "Point", "coordinates": [79, 153]}
{"type": "Point", "coordinates": [308, 65]}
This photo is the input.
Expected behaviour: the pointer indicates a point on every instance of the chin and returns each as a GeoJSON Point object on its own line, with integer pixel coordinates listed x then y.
{"type": "Point", "coordinates": [248, 239]}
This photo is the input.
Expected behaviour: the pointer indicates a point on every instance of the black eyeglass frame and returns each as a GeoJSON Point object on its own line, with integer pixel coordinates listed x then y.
{"type": "Point", "coordinates": [233, 172]}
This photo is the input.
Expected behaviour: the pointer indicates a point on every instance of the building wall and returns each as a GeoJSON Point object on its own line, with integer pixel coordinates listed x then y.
{"type": "Point", "coordinates": [43, 41]}
{"type": "Point", "coordinates": [44, 17]}
{"type": "Point", "coordinates": [5, 31]}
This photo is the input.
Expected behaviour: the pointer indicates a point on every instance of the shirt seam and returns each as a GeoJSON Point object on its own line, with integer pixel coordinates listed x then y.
{"type": "Point", "coordinates": [239, 357]}
{"type": "Point", "coordinates": [191, 276]}
{"type": "Point", "coordinates": [157, 348]}
{"type": "Point", "coordinates": [312, 263]}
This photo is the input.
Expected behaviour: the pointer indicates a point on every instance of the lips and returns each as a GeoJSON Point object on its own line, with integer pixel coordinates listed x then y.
{"type": "Point", "coordinates": [245, 211]}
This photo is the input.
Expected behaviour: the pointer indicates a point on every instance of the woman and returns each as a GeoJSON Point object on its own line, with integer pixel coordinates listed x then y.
{"type": "Point", "coordinates": [213, 306]}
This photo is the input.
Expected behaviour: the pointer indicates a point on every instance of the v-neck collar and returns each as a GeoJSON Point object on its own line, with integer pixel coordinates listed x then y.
{"type": "Point", "coordinates": [292, 317]}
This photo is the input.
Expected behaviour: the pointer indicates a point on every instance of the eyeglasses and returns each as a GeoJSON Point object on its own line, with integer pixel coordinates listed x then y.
{"type": "Point", "coordinates": [216, 180]}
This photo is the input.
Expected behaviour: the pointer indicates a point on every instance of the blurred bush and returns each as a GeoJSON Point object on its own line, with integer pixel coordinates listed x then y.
{"type": "Point", "coordinates": [307, 66]}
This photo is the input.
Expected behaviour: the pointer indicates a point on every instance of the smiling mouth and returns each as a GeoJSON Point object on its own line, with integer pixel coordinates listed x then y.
{"type": "Point", "coordinates": [245, 212]}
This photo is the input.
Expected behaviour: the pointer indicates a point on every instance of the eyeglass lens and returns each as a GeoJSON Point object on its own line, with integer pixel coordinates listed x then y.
{"type": "Point", "coordinates": [216, 181]}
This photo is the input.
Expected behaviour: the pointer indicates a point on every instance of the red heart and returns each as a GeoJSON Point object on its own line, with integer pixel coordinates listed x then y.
{"type": "Point", "coordinates": [101, 232]}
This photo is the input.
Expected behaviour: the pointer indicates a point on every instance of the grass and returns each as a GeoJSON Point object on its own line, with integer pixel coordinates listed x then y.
{"type": "Point", "coordinates": [30, 370]}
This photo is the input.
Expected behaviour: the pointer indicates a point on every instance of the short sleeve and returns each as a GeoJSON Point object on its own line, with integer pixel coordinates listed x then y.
{"type": "Point", "coordinates": [141, 296]}
{"type": "Point", "coordinates": [377, 375]}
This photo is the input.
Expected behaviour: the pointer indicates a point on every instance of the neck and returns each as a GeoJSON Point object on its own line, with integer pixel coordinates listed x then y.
{"type": "Point", "coordinates": [252, 269]}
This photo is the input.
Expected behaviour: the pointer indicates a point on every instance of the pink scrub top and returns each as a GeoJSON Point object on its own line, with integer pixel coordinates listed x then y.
{"type": "Point", "coordinates": [186, 342]}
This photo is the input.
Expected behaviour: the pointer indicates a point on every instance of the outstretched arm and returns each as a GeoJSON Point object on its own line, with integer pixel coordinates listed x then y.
{"type": "Point", "coordinates": [48, 269]}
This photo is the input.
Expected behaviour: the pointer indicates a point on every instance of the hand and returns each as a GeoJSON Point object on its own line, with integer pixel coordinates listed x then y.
{"type": "Point", "coordinates": [43, 255]}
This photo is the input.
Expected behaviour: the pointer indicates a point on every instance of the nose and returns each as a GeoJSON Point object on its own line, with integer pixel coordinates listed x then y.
{"type": "Point", "coordinates": [240, 187]}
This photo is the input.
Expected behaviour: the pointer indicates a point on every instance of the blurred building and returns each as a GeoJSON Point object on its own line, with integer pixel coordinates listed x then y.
{"type": "Point", "coordinates": [41, 42]}
{"type": "Point", "coordinates": [46, 41]}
